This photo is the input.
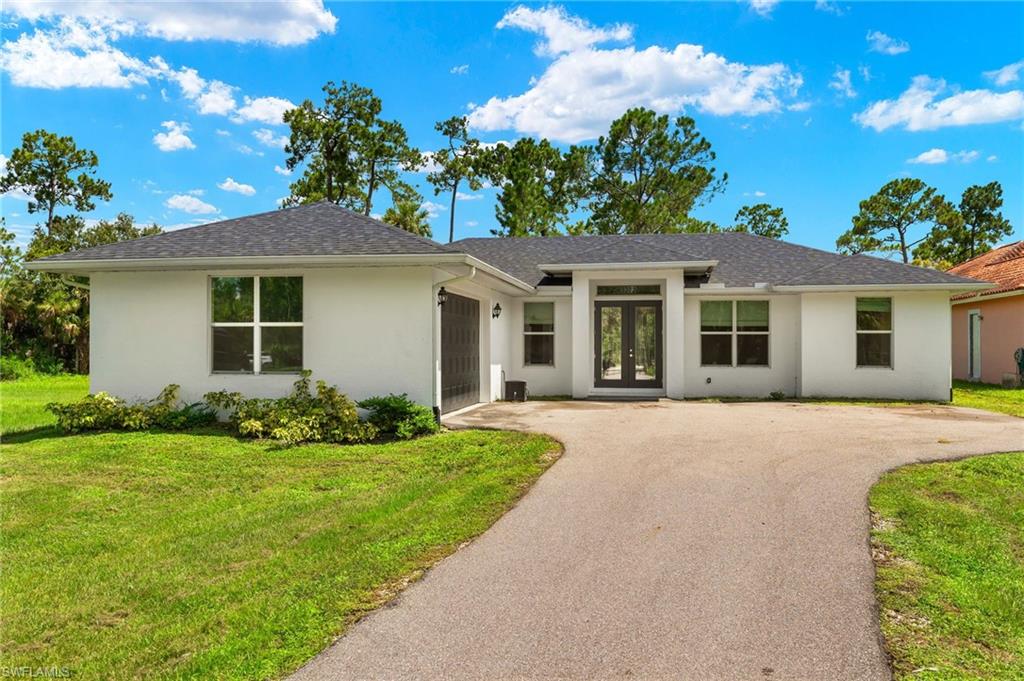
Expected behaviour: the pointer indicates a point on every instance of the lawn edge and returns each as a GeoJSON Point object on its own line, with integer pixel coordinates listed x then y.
{"type": "Point", "coordinates": [390, 592]}
{"type": "Point", "coordinates": [870, 539]}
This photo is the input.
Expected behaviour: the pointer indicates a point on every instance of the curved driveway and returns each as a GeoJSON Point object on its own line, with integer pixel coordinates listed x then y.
{"type": "Point", "coordinates": [671, 540]}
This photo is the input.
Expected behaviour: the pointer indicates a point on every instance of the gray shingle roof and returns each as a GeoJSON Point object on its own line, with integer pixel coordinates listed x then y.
{"type": "Point", "coordinates": [326, 229]}
{"type": "Point", "coordinates": [314, 229]}
{"type": "Point", "coordinates": [743, 259]}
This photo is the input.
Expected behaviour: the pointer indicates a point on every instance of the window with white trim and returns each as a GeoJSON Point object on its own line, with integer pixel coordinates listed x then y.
{"type": "Point", "coordinates": [256, 317]}
{"type": "Point", "coordinates": [539, 334]}
{"type": "Point", "coordinates": [874, 332]}
{"type": "Point", "coordinates": [734, 333]}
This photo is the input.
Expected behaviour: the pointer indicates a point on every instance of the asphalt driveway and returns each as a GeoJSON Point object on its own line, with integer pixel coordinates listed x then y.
{"type": "Point", "coordinates": [672, 540]}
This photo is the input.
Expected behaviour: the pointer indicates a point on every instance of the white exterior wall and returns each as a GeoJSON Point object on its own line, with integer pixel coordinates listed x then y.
{"type": "Point", "coordinates": [541, 380]}
{"type": "Point", "coordinates": [366, 330]}
{"type": "Point", "coordinates": [921, 347]}
{"type": "Point", "coordinates": [782, 372]}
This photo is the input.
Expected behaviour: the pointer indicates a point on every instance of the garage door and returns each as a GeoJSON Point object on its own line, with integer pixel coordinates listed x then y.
{"type": "Point", "coordinates": [460, 353]}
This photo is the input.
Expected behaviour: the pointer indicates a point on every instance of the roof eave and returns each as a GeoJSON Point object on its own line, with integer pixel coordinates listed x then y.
{"type": "Point", "coordinates": [266, 261]}
{"type": "Point", "coordinates": [552, 268]}
{"type": "Point", "coordinates": [951, 286]}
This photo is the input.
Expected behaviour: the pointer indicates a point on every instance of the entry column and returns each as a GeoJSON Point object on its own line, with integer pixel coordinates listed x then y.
{"type": "Point", "coordinates": [582, 331]}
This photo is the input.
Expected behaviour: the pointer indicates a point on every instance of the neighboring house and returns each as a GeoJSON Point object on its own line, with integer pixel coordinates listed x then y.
{"type": "Point", "coordinates": [243, 304]}
{"type": "Point", "coordinates": [988, 326]}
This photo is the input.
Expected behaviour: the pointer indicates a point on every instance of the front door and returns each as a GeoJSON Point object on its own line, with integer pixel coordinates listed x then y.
{"type": "Point", "coordinates": [974, 345]}
{"type": "Point", "coordinates": [627, 338]}
{"type": "Point", "coordinates": [460, 353]}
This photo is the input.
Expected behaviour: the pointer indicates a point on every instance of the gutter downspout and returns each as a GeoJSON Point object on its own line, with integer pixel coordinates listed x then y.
{"type": "Point", "coordinates": [436, 337]}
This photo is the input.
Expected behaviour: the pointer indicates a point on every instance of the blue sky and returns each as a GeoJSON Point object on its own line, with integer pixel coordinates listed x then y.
{"type": "Point", "coordinates": [810, 106]}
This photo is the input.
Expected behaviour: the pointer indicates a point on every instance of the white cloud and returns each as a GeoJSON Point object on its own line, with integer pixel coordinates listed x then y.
{"type": "Point", "coordinates": [763, 7]}
{"type": "Point", "coordinates": [562, 33]}
{"type": "Point", "coordinates": [230, 185]}
{"type": "Point", "coordinates": [175, 138]}
{"type": "Point", "coordinates": [77, 52]}
{"type": "Point", "coordinates": [919, 107]}
{"type": "Point", "coordinates": [880, 42]}
{"type": "Point", "coordinates": [829, 6]}
{"type": "Point", "coordinates": [584, 87]}
{"type": "Point", "coordinates": [460, 70]}
{"type": "Point", "coordinates": [865, 73]}
{"type": "Point", "coordinates": [992, 159]}
{"type": "Point", "coordinates": [280, 22]}
{"type": "Point", "coordinates": [267, 110]}
{"type": "Point", "coordinates": [471, 223]}
{"type": "Point", "coordinates": [223, 133]}
{"type": "Point", "coordinates": [1007, 74]}
{"type": "Point", "coordinates": [72, 54]}
{"type": "Point", "coordinates": [269, 139]}
{"type": "Point", "coordinates": [189, 204]}
{"type": "Point", "coordinates": [282, 171]}
{"type": "Point", "coordinates": [798, 106]}
{"type": "Point", "coordinates": [433, 209]}
{"type": "Point", "coordinates": [841, 82]}
{"type": "Point", "coordinates": [248, 151]}
{"type": "Point", "coordinates": [217, 99]}
{"type": "Point", "coordinates": [16, 194]}
{"type": "Point", "coordinates": [758, 193]}
{"type": "Point", "coordinates": [460, 196]}
{"type": "Point", "coordinates": [937, 155]}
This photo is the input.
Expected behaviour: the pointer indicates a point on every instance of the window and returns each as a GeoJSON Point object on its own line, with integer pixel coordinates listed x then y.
{"type": "Point", "coordinates": [630, 290]}
{"type": "Point", "coordinates": [256, 317]}
{"type": "Point", "coordinates": [539, 333]}
{"type": "Point", "coordinates": [874, 332]}
{"type": "Point", "coordinates": [734, 333]}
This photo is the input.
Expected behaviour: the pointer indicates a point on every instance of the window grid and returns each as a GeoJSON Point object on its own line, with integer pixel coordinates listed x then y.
{"type": "Point", "coordinates": [551, 333]}
{"type": "Point", "coordinates": [734, 334]}
{"type": "Point", "coordinates": [255, 325]}
{"type": "Point", "coordinates": [867, 332]}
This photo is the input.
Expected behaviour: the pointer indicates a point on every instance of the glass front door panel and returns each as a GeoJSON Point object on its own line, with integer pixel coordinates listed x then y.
{"type": "Point", "coordinates": [645, 345]}
{"type": "Point", "coordinates": [611, 343]}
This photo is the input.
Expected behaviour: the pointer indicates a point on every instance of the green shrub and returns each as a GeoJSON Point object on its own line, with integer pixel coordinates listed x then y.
{"type": "Point", "coordinates": [776, 395]}
{"type": "Point", "coordinates": [327, 416]}
{"type": "Point", "coordinates": [13, 368]}
{"type": "Point", "coordinates": [103, 411]}
{"type": "Point", "coordinates": [399, 416]}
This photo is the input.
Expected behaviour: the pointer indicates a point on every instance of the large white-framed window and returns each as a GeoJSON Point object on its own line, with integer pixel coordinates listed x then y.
{"type": "Point", "coordinates": [539, 334]}
{"type": "Point", "coordinates": [734, 333]}
{"type": "Point", "coordinates": [874, 332]}
{"type": "Point", "coordinates": [255, 324]}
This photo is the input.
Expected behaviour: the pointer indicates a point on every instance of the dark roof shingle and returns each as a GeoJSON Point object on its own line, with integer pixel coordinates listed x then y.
{"type": "Point", "coordinates": [314, 229]}
{"type": "Point", "coordinates": [323, 228]}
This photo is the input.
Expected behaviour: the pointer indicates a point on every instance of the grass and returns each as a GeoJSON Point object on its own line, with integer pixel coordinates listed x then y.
{"type": "Point", "coordinates": [990, 397]}
{"type": "Point", "coordinates": [948, 543]}
{"type": "Point", "coordinates": [22, 402]}
{"type": "Point", "coordinates": [131, 555]}
{"type": "Point", "coordinates": [965, 394]}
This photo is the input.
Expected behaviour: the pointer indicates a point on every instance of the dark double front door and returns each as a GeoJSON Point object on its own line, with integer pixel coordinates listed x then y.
{"type": "Point", "coordinates": [460, 353]}
{"type": "Point", "coordinates": [628, 344]}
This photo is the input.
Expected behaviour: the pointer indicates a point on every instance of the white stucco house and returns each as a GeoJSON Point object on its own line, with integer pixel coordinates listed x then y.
{"type": "Point", "coordinates": [243, 304]}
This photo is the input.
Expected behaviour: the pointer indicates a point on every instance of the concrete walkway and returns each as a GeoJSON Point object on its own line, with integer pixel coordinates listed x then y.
{"type": "Point", "coordinates": [672, 540]}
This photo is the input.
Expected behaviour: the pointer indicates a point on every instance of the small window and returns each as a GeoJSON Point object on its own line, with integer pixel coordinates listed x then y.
{"type": "Point", "coordinates": [539, 333]}
{"type": "Point", "coordinates": [630, 290]}
{"type": "Point", "coordinates": [246, 326]}
{"type": "Point", "coordinates": [874, 332]}
{"type": "Point", "coordinates": [734, 333]}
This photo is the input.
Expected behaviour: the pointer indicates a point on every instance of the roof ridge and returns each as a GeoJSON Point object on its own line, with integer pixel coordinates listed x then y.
{"type": "Point", "coordinates": [1013, 251]}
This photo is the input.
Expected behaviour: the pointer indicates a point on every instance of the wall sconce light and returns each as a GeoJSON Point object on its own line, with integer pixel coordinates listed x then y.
{"type": "Point", "coordinates": [496, 311]}
{"type": "Point", "coordinates": [442, 296]}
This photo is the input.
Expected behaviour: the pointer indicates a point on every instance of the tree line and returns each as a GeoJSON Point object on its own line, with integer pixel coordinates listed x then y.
{"type": "Point", "coordinates": [644, 176]}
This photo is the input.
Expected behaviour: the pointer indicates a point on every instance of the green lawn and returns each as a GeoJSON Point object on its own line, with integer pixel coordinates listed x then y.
{"type": "Point", "coordinates": [991, 397]}
{"type": "Point", "coordinates": [135, 555]}
{"type": "Point", "coordinates": [948, 542]}
{"type": "Point", "coordinates": [22, 401]}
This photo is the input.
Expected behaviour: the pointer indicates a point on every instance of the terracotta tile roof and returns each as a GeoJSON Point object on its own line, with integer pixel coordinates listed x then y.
{"type": "Point", "coordinates": [1003, 266]}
